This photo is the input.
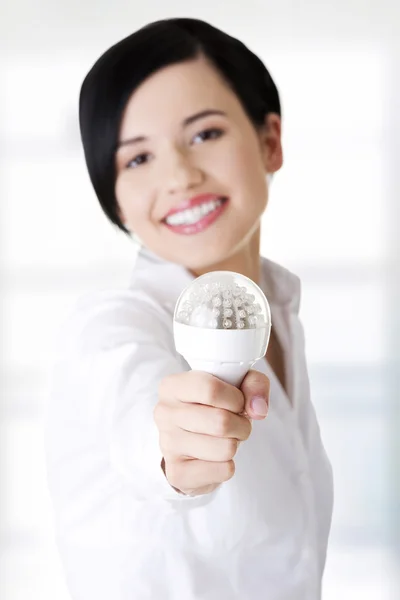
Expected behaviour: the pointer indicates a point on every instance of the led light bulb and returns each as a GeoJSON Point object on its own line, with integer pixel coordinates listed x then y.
{"type": "Point", "coordinates": [222, 324]}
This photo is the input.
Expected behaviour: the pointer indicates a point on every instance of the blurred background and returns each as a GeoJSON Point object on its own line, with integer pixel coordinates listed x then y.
{"type": "Point", "coordinates": [333, 218]}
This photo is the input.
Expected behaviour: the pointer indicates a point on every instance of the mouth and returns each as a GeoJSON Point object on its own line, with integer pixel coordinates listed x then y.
{"type": "Point", "coordinates": [197, 218]}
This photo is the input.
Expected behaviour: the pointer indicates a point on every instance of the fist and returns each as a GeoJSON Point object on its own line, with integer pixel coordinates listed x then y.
{"type": "Point", "coordinates": [201, 421]}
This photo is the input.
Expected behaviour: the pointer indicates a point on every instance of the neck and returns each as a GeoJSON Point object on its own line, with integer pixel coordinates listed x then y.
{"type": "Point", "coordinates": [245, 261]}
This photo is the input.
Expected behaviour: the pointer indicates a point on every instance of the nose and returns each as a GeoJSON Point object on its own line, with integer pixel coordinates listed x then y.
{"type": "Point", "coordinates": [181, 173]}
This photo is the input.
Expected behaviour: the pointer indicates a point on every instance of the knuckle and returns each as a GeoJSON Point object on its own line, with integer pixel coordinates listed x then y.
{"type": "Point", "coordinates": [247, 429]}
{"type": "Point", "coordinates": [229, 449]}
{"type": "Point", "coordinates": [256, 383]}
{"type": "Point", "coordinates": [221, 422]}
{"type": "Point", "coordinates": [228, 470]}
{"type": "Point", "coordinates": [213, 390]}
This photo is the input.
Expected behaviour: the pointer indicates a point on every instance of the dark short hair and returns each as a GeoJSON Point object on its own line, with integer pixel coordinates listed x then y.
{"type": "Point", "coordinates": [121, 69]}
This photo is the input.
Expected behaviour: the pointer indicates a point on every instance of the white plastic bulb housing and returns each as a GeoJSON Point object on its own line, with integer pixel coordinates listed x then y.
{"type": "Point", "coordinates": [222, 325]}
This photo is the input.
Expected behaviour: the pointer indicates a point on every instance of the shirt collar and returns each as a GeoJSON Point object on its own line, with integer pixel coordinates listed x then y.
{"type": "Point", "coordinates": [281, 286]}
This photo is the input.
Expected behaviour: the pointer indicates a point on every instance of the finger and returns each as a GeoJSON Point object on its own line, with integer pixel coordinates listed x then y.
{"type": "Point", "coordinates": [255, 388]}
{"type": "Point", "coordinates": [183, 444]}
{"type": "Point", "coordinates": [197, 387]}
{"type": "Point", "coordinates": [212, 421]}
{"type": "Point", "coordinates": [196, 475]}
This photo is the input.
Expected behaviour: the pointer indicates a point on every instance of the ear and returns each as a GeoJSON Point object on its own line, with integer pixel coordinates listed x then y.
{"type": "Point", "coordinates": [271, 143]}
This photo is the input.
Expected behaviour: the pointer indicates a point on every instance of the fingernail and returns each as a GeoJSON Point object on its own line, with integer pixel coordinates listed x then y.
{"type": "Point", "coordinates": [259, 406]}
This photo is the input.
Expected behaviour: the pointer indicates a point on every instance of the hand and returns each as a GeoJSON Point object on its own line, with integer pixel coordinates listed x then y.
{"type": "Point", "coordinates": [201, 421]}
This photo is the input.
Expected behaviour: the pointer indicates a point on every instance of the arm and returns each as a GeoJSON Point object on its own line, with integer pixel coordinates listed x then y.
{"type": "Point", "coordinates": [113, 352]}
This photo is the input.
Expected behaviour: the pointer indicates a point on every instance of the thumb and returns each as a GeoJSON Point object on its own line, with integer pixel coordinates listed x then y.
{"type": "Point", "coordinates": [255, 388]}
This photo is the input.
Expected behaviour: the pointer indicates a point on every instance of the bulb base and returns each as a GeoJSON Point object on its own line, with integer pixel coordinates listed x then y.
{"type": "Point", "coordinates": [232, 373]}
{"type": "Point", "coordinates": [227, 354]}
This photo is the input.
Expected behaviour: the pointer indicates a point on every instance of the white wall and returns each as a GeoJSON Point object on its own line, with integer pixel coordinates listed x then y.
{"type": "Point", "coordinates": [333, 218]}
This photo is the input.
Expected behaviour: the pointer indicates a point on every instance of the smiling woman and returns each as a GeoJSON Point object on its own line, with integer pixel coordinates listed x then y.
{"type": "Point", "coordinates": [154, 498]}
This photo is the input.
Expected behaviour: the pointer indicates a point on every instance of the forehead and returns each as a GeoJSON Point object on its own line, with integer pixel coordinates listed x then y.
{"type": "Point", "coordinates": [176, 92]}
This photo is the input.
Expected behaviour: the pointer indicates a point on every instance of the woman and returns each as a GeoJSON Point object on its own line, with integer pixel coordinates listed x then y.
{"type": "Point", "coordinates": [153, 497]}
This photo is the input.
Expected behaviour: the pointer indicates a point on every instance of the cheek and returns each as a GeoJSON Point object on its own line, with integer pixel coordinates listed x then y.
{"type": "Point", "coordinates": [247, 171]}
{"type": "Point", "coordinates": [131, 200]}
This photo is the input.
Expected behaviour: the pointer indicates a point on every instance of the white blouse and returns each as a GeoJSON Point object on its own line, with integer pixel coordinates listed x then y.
{"type": "Point", "coordinates": [123, 532]}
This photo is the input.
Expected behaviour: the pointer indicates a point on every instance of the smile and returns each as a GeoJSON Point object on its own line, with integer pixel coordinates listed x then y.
{"type": "Point", "coordinates": [193, 215]}
{"type": "Point", "coordinates": [196, 219]}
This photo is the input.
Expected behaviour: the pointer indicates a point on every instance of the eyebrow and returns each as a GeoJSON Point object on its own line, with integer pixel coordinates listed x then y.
{"type": "Point", "coordinates": [185, 123]}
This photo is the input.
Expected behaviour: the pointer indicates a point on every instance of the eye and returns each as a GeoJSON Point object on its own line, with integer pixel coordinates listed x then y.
{"type": "Point", "coordinates": [140, 159]}
{"type": "Point", "coordinates": [208, 134]}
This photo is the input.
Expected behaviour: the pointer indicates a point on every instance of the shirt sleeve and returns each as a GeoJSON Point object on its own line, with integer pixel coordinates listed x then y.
{"type": "Point", "coordinates": [112, 355]}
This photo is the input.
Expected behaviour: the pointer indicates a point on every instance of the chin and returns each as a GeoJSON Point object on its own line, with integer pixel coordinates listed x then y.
{"type": "Point", "coordinates": [208, 258]}
{"type": "Point", "coordinates": [202, 252]}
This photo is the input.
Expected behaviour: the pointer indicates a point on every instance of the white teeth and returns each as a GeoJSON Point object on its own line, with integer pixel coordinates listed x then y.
{"type": "Point", "coordinates": [192, 215]}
